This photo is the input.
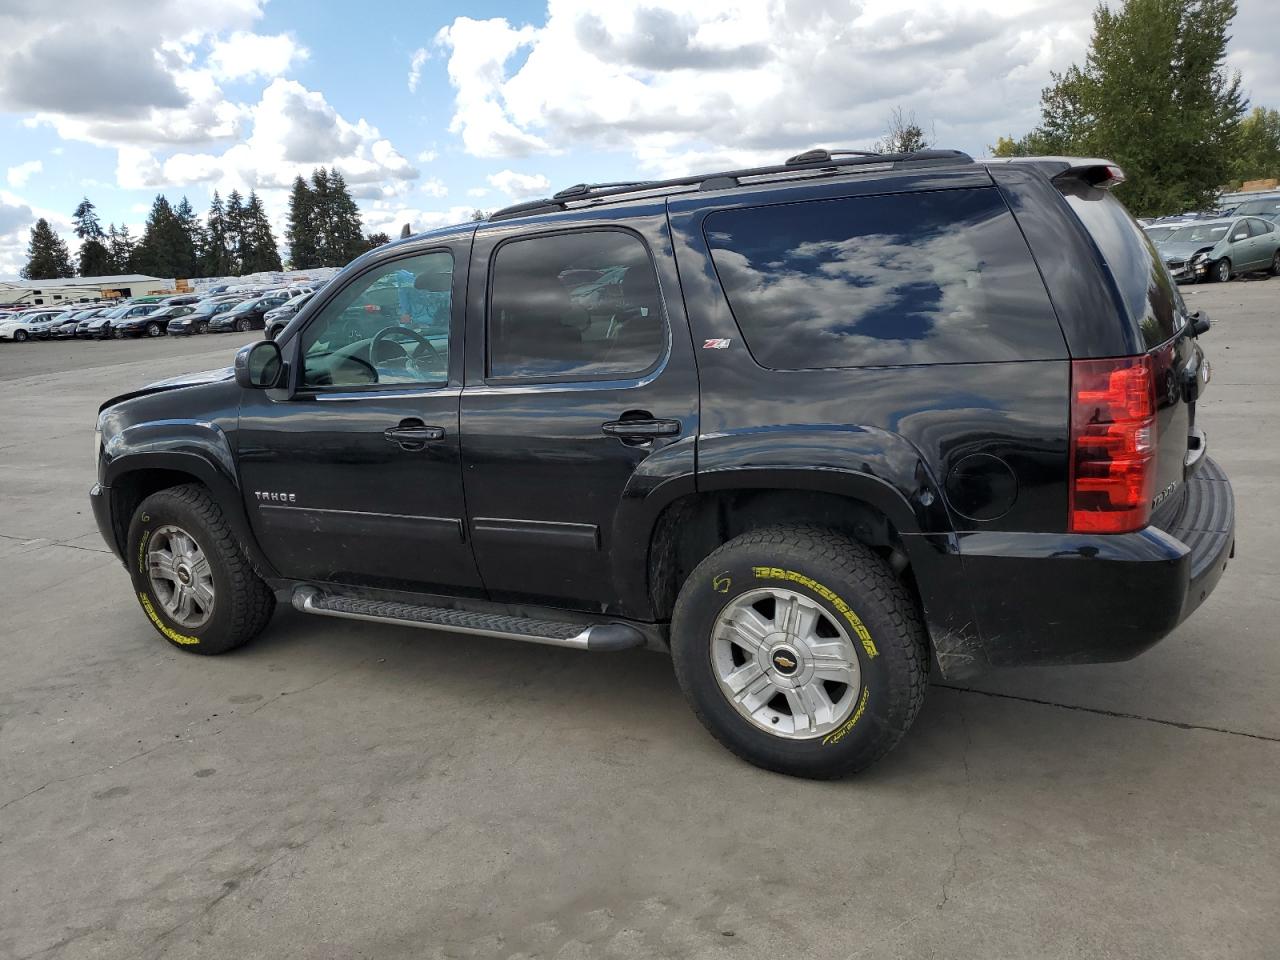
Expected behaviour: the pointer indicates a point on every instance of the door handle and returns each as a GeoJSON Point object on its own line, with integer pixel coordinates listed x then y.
{"type": "Point", "coordinates": [641, 429]}
{"type": "Point", "coordinates": [413, 435]}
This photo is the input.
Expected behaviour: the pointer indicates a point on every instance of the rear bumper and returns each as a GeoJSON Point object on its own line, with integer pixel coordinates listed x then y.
{"type": "Point", "coordinates": [1073, 598]}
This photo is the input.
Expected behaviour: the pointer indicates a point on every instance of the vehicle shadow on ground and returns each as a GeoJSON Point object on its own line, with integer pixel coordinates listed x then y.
{"type": "Point", "coordinates": [613, 694]}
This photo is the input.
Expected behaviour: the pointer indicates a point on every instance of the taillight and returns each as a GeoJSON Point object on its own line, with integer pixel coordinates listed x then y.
{"type": "Point", "coordinates": [1113, 444]}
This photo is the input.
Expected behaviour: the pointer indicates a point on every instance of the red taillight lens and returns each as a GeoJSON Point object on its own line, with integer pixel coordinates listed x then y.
{"type": "Point", "coordinates": [1113, 444]}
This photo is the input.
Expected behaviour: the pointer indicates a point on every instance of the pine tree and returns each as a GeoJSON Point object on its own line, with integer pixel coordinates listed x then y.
{"type": "Point", "coordinates": [192, 240]}
{"type": "Point", "coordinates": [301, 233]}
{"type": "Point", "coordinates": [95, 259]}
{"type": "Point", "coordinates": [163, 250]}
{"type": "Point", "coordinates": [347, 232]}
{"type": "Point", "coordinates": [47, 255]}
{"type": "Point", "coordinates": [215, 258]}
{"type": "Point", "coordinates": [1153, 95]}
{"type": "Point", "coordinates": [259, 253]}
{"type": "Point", "coordinates": [234, 233]}
{"type": "Point", "coordinates": [322, 217]}
{"type": "Point", "coordinates": [122, 249]}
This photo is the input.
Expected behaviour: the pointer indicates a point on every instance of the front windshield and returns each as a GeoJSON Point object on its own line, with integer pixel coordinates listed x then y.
{"type": "Point", "coordinates": [1200, 233]}
{"type": "Point", "coordinates": [1159, 233]}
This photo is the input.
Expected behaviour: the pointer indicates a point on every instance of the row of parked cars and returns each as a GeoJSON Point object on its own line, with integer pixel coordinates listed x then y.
{"type": "Point", "coordinates": [1221, 245]}
{"type": "Point", "coordinates": [219, 310]}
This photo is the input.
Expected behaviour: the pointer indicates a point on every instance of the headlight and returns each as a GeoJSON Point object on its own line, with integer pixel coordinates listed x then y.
{"type": "Point", "coordinates": [97, 443]}
{"type": "Point", "coordinates": [1202, 255]}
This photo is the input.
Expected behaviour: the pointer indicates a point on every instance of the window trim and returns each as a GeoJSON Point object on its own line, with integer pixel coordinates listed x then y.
{"type": "Point", "coordinates": [617, 377]}
{"type": "Point", "coordinates": [300, 390]}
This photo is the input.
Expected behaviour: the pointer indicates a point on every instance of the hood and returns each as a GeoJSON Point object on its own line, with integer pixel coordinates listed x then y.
{"type": "Point", "coordinates": [192, 379]}
{"type": "Point", "coordinates": [1182, 251]}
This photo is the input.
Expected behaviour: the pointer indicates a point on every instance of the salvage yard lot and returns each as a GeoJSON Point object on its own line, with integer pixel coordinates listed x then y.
{"type": "Point", "coordinates": [338, 790]}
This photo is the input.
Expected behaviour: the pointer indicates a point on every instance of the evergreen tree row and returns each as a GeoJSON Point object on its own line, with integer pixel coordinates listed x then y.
{"type": "Point", "coordinates": [234, 239]}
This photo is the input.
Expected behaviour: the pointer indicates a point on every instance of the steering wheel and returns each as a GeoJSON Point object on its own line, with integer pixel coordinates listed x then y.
{"type": "Point", "coordinates": [383, 336]}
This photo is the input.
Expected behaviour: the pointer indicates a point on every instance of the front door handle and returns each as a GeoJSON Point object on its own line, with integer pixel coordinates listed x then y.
{"type": "Point", "coordinates": [413, 434]}
{"type": "Point", "coordinates": [641, 429]}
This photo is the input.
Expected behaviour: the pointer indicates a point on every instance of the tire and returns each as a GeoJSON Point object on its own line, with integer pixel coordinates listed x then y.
{"type": "Point", "coordinates": [20, 336]}
{"type": "Point", "coordinates": [153, 330]}
{"type": "Point", "coordinates": [1222, 270]}
{"type": "Point", "coordinates": [117, 334]}
{"type": "Point", "coordinates": [860, 607]}
{"type": "Point", "coordinates": [202, 326]}
{"type": "Point", "coordinates": [1275, 264]}
{"type": "Point", "coordinates": [241, 602]}
{"type": "Point", "coordinates": [242, 325]}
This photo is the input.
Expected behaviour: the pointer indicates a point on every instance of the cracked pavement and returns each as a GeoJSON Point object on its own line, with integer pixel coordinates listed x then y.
{"type": "Point", "coordinates": [345, 790]}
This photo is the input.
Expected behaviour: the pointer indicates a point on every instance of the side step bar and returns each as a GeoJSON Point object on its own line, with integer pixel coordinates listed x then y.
{"type": "Point", "coordinates": [594, 638]}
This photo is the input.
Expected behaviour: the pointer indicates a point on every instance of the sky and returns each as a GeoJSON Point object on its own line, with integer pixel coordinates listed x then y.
{"type": "Point", "coordinates": [433, 109]}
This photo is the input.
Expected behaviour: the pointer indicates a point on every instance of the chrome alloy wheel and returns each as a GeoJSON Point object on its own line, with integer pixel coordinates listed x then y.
{"type": "Point", "coordinates": [785, 664]}
{"type": "Point", "coordinates": [180, 576]}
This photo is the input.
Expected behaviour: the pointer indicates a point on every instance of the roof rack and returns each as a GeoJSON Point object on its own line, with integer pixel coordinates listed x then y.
{"type": "Point", "coordinates": [817, 162]}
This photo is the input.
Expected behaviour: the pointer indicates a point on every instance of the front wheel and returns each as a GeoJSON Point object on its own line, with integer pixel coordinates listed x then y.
{"type": "Point", "coordinates": [153, 330]}
{"type": "Point", "coordinates": [1275, 264]}
{"type": "Point", "coordinates": [1222, 270]}
{"type": "Point", "coordinates": [20, 336]}
{"type": "Point", "coordinates": [202, 326]}
{"type": "Point", "coordinates": [242, 325]}
{"type": "Point", "coordinates": [191, 576]}
{"type": "Point", "coordinates": [800, 651]}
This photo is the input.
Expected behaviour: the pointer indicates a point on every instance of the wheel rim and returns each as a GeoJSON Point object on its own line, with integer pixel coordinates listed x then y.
{"type": "Point", "coordinates": [20, 336]}
{"type": "Point", "coordinates": [1224, 271]}
{"type": "Point", "coordinates": [180, 576]}
{"type": "Point", "coordinates": [784, 664]}
{"type": "Point", "coordinates": [153, 330]}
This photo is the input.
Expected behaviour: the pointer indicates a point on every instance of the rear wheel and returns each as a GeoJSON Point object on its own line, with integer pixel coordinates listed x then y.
{"type": "Point", "coordinates": [202, 326]}
{"type": "Point", "coordinates": [242, 325]}
{"type": "Point", "coordinates": [191, 576]}
{"type": "Point", "coordinates": [1222, 270]}
{"type": "Point", "coordinates": [153, 330]}
{"type": "Point", "coordinates": [20, 336]}
{"type": "Point", "coordinates": [800, 651]}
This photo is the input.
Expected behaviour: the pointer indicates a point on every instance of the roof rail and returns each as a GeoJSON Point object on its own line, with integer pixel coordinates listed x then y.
{"type": "Point", "coordinates": [819, 162]}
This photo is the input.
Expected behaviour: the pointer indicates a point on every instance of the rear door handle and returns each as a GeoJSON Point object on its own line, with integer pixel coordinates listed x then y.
{"type": "Point", "coordinates": [641, 429]}
{"type": "Point", "coordinates": [413, 436]}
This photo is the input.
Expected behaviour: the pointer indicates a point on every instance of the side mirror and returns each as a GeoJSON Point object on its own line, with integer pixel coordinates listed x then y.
{"type": "Point", "coordinates": [258, 366]}
{"type": "Point", "coordinates": [1240, 235]}
{"type": "Point", "coordinates": [1199, 323]}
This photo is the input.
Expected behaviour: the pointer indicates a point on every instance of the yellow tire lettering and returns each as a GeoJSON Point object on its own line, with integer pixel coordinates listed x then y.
{"type": "Point", "coordinates": [835, 736]}
{"type": "Point", "coordinates": [722, 583]}
{"type": "Point", "coordinates": [860, 628]}
{"type": "Point", "coordinates": [163, 627]}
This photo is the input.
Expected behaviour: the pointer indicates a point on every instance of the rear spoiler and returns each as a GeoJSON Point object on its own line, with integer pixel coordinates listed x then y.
{"type": "Point", "coordinates": [1092, 170]}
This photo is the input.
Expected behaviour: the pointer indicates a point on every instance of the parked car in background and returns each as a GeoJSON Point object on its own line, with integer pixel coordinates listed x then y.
{"type": "Point", "coordinates": [180, 300]}
{"type": "Point", "coordinates": [247, 315]}
{"type": "Point", "coordinates": [153, 324]}
{"type": "Point", "coordinates": [99, 327]}
{"type": "Point", "coordinates": [1219, 249]}
{"type": "Point", "coordinates": [277, 318]}
{"type": "Point", "coordinates": [1266, 207]}
{"type": "Point", "coordinates": [32, 325]}
{"type": "Point", "coordinates": [64, 326]}
{"type": "Point", "coordinates": [1160, 231]}
{"type": "Point", "coordinates": [197, 321]}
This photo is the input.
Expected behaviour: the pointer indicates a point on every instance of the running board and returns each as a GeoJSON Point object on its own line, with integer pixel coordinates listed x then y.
{"type": "Point", "coordinates": [594, 638]}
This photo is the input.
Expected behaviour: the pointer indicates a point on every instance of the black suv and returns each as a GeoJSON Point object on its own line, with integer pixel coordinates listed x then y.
{"type": "Point", "coordinates": [809, 427]}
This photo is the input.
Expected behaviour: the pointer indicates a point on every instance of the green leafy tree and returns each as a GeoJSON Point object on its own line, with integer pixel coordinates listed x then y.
{"type": "Point", "coordinates": [322, 217]}
{"type": "Point", "coordinates": [95, 258]}
{"type": "Point", "coordinates": [192, 242]}
{"type": "Point", "coordinates": [234, 233]}
{"type": "Point", "coordinates": [903, 136]}
{"type": "Point", "coordinates": [166, 249]}
{"type": "Point", "coordinates": [346, 237]}
{"type": "Point", "coordinates": [1258, 146]}
{"type": "Point", "coordinates": [1153, 95]}
{"type": "Point", "coordinates": [376, 240]}
{"type": "Point", "coordinates": [302, 230]}
{"type": "Point", "coordinates": [47, 255]}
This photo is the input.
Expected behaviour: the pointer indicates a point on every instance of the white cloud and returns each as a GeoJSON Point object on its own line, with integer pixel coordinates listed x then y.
{"type": "Point", "coordinates": [419, 60]}
{"type": "Point", "coordinates": [389, 218]}
{"type": "Point", "coordinates": [17, 217]}
{"type": "Point", "coordinates": [293, 130]}
{"type": "Point", "coordinates": [426, 156]}
{"type": "Point", "coordinates": [478, 192]}
{"type": "Point", "coordinates": [434, 188]}
{"type": "Point", "coordinates": [245, 55]}
{"type": "Point", "coordinates": [19, 175]}
{"type": "Point", "coordinates": [520, 185]}
{"type": "Point", "coordinates": [674, 83]}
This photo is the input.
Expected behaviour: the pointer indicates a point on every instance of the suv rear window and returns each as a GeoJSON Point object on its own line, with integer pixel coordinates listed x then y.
{"type": "Point", "coordinates": [931, 277]}
{"type": "Point", "coordinates": [1149, 294]}
{"type": "Point", "coordinates": [574, 306]}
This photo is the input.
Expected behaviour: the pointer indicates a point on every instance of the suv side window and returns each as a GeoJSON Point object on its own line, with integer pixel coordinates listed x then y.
{"type": "Point", "coordinates": [389, 325]}
{"type": "Point", "coordinates": [582, 305]}
{"type": "Point", "coordinates": [929, 277]}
